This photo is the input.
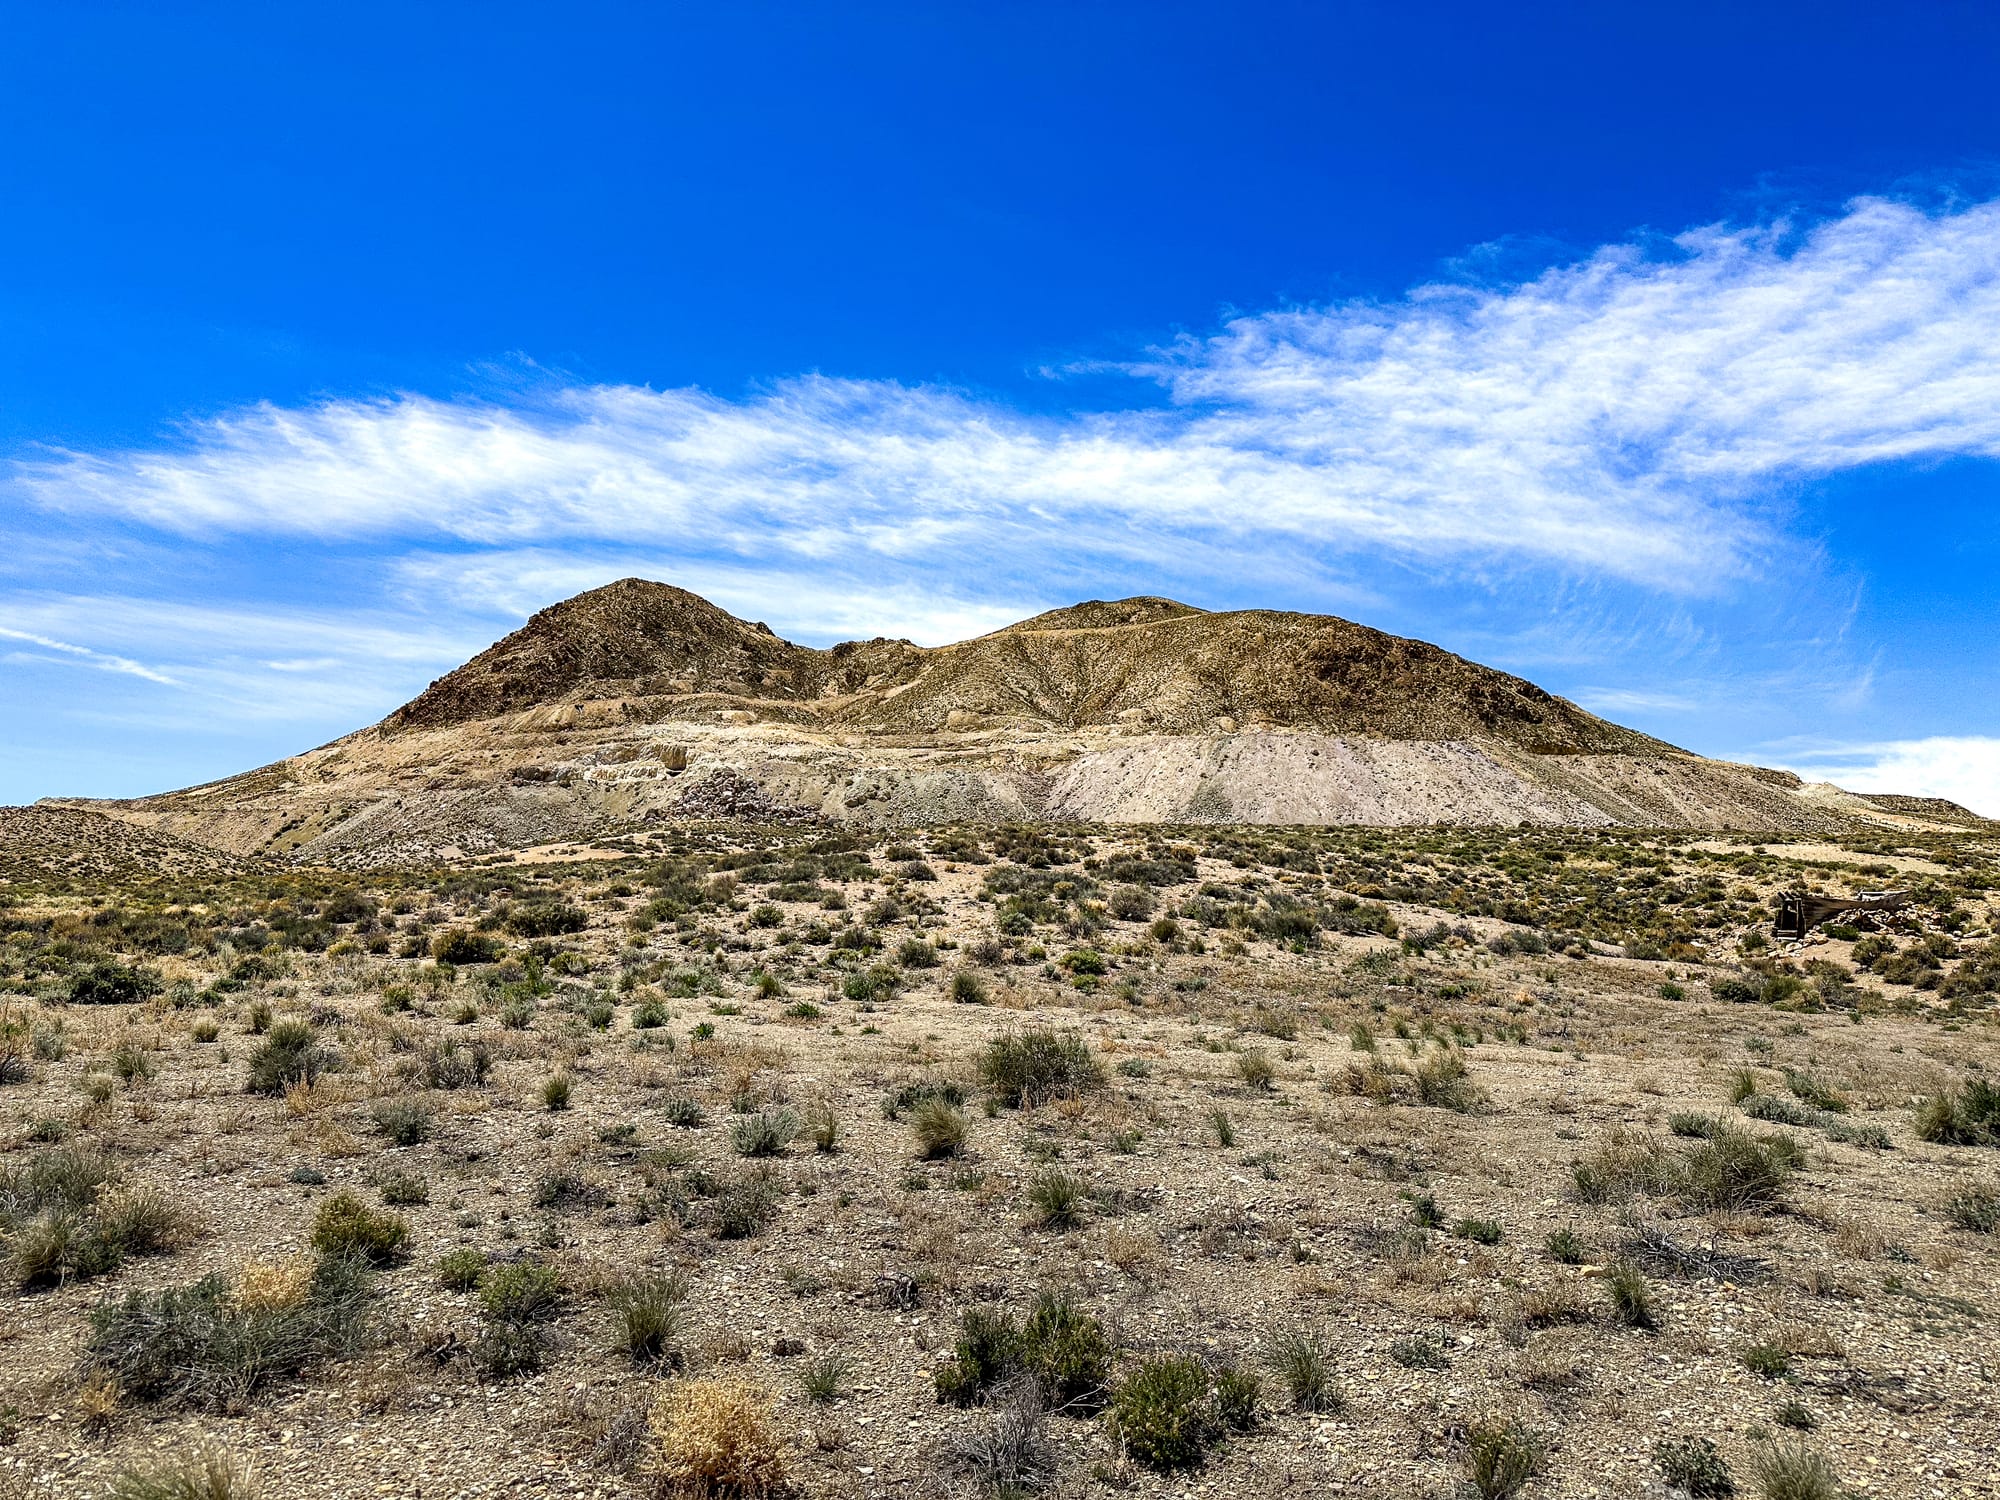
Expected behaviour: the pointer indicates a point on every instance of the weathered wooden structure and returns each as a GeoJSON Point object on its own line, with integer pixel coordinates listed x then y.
{"type": "Point", "coordinates": [1799, 913]}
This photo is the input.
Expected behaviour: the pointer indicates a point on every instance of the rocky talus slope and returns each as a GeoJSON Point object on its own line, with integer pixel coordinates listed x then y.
{"type": "Point", "coordinates": [641, 702]}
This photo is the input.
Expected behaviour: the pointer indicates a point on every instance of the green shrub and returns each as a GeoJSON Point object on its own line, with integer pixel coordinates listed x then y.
{"type": "Point", "coordinates": [1239, 1398]}
{"type": "Point", "coordinates": [521, 1291]}
{"type": "Point", "coordinates": [1567, 1249]}
{"type": "Point", "coordinates": [987, 1349]}
{"type": "Point", "coordinates": [108, 983]}
{"type": "Point", "coordinates": [1811, 1089]}
{"type": "Point", "coordinates": [1976, 1209]}
{"type": "Point", "coordinates": [765, 1133]}
{"type": "Point", "coordinates": [346, 1226]}
{"type": "Point", "coordinates": [197, 1344]}
{"type": "Point", "coordinates": [556, 1091]}
{"type": "Point", "coordinates": [543, 920]}
{"type": "Point", "coordinates": [1767, 1361]}
{"type": "Point", "coordinates": [1163, 1413]}
{"type": "Point", "coordinates": [290, 1054]}
{"type": "Point", "coordinates": [824, 1378]}
{"type": "Point", "coordinates": [461, 1270]}
{"type": "Point", "coordinates": [401, 1189]}
{"type": "Point", "coordinates": [681, 1110]}
{"type": "Point", "coordinates": [1420, 1353]}
{"type": "Point", "coordinates": [459, 945]}
{"type": "Point", "coordinates": [1255, 1069]}
{"type": "Point", "coordinates": [1036, 1066]}
{"type": "Point", "coordinates": [449, 1063]}
{"type": "Point", "coordinates": [407, 1122]}
{"type": "Point", "coordinates": [1728, 1170]}
{"type": "Point", "coordinates": [745, 1207]}
{"type": "Point", "coordinates": [1502, 1456]}
{"type": "Point", "coordinates": [1736, 1172]}
{"type": "Point", "coordinates": [1443, 1082]}
{"type": "Point", "coordinates": [1065, 1348]}
{"type": "Point", "coordinates": [1691, 1465]}
{"type": "Point", "coordinates": [58, 1223]}
{"type": "Point", "coordinates": [967, 988]}
{"type": "Point", "coordinates": [1479, 1231]}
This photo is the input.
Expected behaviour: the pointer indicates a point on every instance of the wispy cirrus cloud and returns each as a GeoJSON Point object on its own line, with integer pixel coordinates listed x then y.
{"type": "Point", "coordinates": [1629, 416]}
{"type": "Point", "coordinates": [84, 656]}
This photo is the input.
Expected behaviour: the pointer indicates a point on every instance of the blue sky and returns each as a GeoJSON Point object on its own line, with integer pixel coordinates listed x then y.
{"type": "Point", "coordinates": [1651, 352]}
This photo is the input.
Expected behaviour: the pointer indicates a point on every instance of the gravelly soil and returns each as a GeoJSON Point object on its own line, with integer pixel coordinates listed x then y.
{"type": "Point", "coordinates": [1314, 1218]}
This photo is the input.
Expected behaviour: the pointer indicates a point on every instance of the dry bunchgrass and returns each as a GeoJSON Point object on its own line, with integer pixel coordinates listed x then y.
{"type": "Point", "coordinates": [274, 1285]}
{"type": "Point", "coordinates": [716, 1438]}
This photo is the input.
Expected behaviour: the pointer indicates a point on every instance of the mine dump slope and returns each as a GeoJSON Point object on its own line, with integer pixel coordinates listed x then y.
{"type": "Point", "coordinates": [641, 702]}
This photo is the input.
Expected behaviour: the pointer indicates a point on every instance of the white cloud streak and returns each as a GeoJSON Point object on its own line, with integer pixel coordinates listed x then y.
{"type": "Point", "coordinates": [1629, 417]}
{"type": "Point", "coordinates": [103, 661]}
{"type": "Point", "coordinates": [1964, 768]}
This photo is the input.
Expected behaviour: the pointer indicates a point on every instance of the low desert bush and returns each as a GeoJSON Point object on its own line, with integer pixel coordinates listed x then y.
{"type": "Point", "coordinates": [461, 1270]}
{"type": "Point", "coordinates": [717, 1438]}
{"type": "Point", "coordinates": [109, 983]}
{"type": "Point", "coordinates": [1631, 1297]}
{"type": "Point", "coordinates": [1439, 1079]}
{"type": "Point", "coordinates": [346, 1226]}
{"type": "Point", "coordinates": [406, 1122]}
{"type": "Point", "coordinates": [203, 1344]}
{"type": "Point", "coordinates": [1968, 1115]}
{"type": "Point", "coordinates": [1061, 1346]}
{"type": "Point", "coordinates": [1501, 1456]}
{"type": "Point", "coordinates": [1692, 1466]}
{"type": "Point", "coordinates": [1256, 1070]}
{"type": "Point", "coordinates": [824, 1378]}
{"type": "Point", "coordinates": [1976, 1209]}
{"type": "Point", "coordinates": [1036, 1066]}
{"type": "Point", "coordinates": [1164, 1414]}
{"type": "Point", "coordinates": [459, 945]}
{"type": "Point", "coordinates": [987, 1350]}
{"type": "Point", "coordinates": [1056, 1200]}
{"type": "Point", "coordinates": [745, 1206]}
{"type": "Point", "coordinates": [62, 1219]}
{"type": "Point", "coordinates": [1728, 1170]}
{"type": "Point", "coordinates": [765, 1133]}
{"type": "Point", "coordinates": [1066, 1349]}
{"type": "Point", "coordinates": [1767, 1361]}
{"type": "Point", "coordinates": [517, 1300]}
{"type": "Point", "coordinates": [1009, 1454]}
{"type": "Point", "coordinates": [291, 1053]}
{"type": "Point", "coordinates": [404, 1189]}
{"type": "Point", "coordinates": [448, 1063]}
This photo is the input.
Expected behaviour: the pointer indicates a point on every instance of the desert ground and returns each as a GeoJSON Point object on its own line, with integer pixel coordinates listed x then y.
{"type": "Point", "coordinates": [999, 1162]}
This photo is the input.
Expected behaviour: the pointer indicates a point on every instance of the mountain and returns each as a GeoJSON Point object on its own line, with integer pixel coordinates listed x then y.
{"type": "Point", "coordinates": [639, 702]}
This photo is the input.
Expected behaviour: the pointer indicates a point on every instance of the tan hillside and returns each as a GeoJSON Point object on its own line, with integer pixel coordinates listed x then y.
{"type": "Point", "coordinates": [642, 703]}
